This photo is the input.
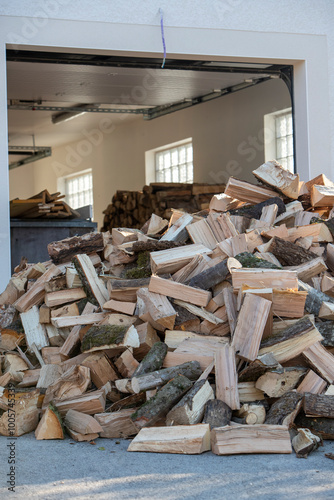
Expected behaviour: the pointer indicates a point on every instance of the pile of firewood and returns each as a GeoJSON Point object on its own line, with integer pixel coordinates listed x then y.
{"type": "Point", "coordinates": [132, 208]}
{"type": "Point", "coordinates": [209, 331]}
{"type": "Point", "coordinates": [42, 205]}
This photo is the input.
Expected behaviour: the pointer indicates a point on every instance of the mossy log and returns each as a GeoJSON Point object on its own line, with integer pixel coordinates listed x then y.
{"type": "Point", "coordinates": [217, 413]}
{"type": "Point", "coordinates": [255, 211]}
{"type": "Point", "coordinates": [152, 246]}
{"type": "Point", "coordinates": [248, 260]}
{"type": "Point", "coordinates": [148, 381]}
{"type": "Point", "coordinates": [160, 404]}
{"type": "Point", "coordinates": [64, 250]}
{"type": "Point", "coordinates": [285, 409]}
{"type": "Point", "coordinates": [314, 298]}
{"type": "Point", "coordinates": [142, 268]}
{"type": "Point", "coordinates": [210, 277]}
{"type": "Point", "coordinates": [103, 335]}
{"type": "Point", "coordinates": [299, 328]}
{"type": "Point", "coordinates": [153, 360]}
{"type": "Point", "coordinates": [290, 254]}
{"type": "Point", "coordinates": [323, 427]}
{"type": "Point", "coordinates": [326, 328]}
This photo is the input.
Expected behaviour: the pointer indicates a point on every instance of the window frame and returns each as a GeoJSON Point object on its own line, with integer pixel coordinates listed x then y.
{"type": "Point", "coordinates": [271, 139]}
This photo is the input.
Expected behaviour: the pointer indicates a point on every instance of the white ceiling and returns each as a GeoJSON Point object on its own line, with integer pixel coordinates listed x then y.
{"type": "Point", "coordinates": [66, 85]}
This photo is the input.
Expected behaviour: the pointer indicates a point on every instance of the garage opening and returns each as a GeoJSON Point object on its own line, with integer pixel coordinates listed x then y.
{"type": "Point", "coordinates": [87, 125]}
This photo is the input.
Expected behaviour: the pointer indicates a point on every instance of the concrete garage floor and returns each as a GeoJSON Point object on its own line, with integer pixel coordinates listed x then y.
{"type": "Point", "coordinates": [49, 470]}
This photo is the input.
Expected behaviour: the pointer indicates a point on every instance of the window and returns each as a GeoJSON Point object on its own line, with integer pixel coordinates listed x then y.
{"type": "Point", "coordinates": [279, 138]}
{"type": "Point", "coordinates": [174, 164]}
{"type": "Point", "coordinates": [79, 189]}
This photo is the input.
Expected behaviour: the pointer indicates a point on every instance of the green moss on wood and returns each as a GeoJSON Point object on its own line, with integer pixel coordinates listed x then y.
{"type": "Point", "coordinates": [142, 269]}
{"type": "Point", "coordinates": [103, 335]}
{"type": "Point", "coordinates": [248, 260]}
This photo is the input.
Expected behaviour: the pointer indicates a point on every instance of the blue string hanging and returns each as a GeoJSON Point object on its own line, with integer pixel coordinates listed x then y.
{"type": "Point", "coordinates": [162, 35]}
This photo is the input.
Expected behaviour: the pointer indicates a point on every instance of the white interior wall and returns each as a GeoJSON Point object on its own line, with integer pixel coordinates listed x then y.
{"type": "Point", "coordinates": [227, 138]}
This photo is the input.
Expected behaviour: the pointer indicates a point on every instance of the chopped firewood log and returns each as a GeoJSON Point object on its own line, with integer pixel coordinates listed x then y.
{"type": "Point", "coordinates": [148, 381]}
{"type": "Point", "coordinates": [327, 285]}
{"type": "Point", "coordinates": [182, 439]}
{"type": "Point", "coordinates": [50, 425]}
{"type": "Point", "coordinates": [248, 393]}
{"type": "Point", "coordinates": [160, 404]}
{"type": "Point", "coordinates": [275, 176]}
{"type": "Point", "coordinates": [35, 295]}
{"type": "Point", "coordinates": [84, 319]}
{"type": "Point", "coordinates": [291, 341]}
{"type": "Point", "coordinates": [35, 332]}
{"type": "Point", "coordinates": [220, 202]}
{"type": "Point", "coordinates": [288, 253]}
{"type": "Point", "coordinates": [81, 437]}
{"type": "Point", "coordinates": [289, 303]}
{"type": "Point", "coordinates": [101, 370]}
{"type": "Point", "coordinates": [323, 427]}
{"type": "Point", "coordinates": [314, 299]}
{"type": "Point", "coordinates": [312, 383]}
{"type": "Point", "coordinates": [48, 375]}
{"type": "Point", "coordinates": [23, 413]}
{"type": "Point", "coordinates": [156, 225]}
{"type": "Point", "coordinates": [71, 383]}
{"type": "Point", "coordinates": [13, 291]}
{"type": "Point", "coordinates": [322, 196]}
{"type": "Point", "coordinates": [197, 264]}
{"type": "Point", "coordinates": [178, 231]}
{"type": "Point", "coordinates": [305, 442]}
{"type": "Point", "coordinates": [122, 235]}
{"type": "Point", "coordinates": [210, 277]}
{"type": "Point", "coordinates": [14, 365]}
{"type": "Point", "coordinates": [170, 261]}
{"type": "Point", "coordinates": [278, 382]}
{"type": "Point", "coordinates": [116, 424]}
{"type": "Point", "coordinates": [318, 405]}
{"type": "Point", "coordinates": [285, 409]}
{"type": "Point", "coordinates": [72, 278]}
{"type": "Point", "coordinates": [158, 307]}
{"type": "Point", "coordinates": [326, 328]}
{"type": "Point", "coordinates": [221, 330]}
{"type": "Point", "coordinates": [320, 233]}
{"type": "Point", "coordinates": [115, 337]}
{"type": "Point", "coordinates": [90, 402]}
{"type": "Point", "coordinates": [226, 377]}
{"type": "Point", "coordinates": [190, 409]}
{"type": "Point", "coordinates": [250, 326]}
{"type": "Point", "coordinates": [126, 290]}
{"type": "Point", "coordinates": [153, 360]}
{"type": "Point", "coordinates": [308, 270]}
{"type": "Point", "coordinates": [227, 226]}
{"type": "Point", "coordinates": [119, 306]}
{"type": "Point", "coordinates": [245, 191]}
{"type": "Point", "coordinates": [198, 311]}
{"type": "Point", "coordinates": [64, 250]}
{"type": "Point", "coordinates": [217, 413]}
{"type": "Point", "coordinates": [147, 338]}
{"type": "Point", "coordinates": [126, 364]}
{"type": "Point", "coordinates": [201, 233]}
{"type": "Point", "coordinates": [321, 361]}
{"type": "Point", "coordinates": [178, 291]}
{"type": "Point", "coordinates": [10, 339]}
{"type": "Point", "coordinates": [268, 278]}
{"type": "Point", "coordinates": [252, 413]}
{"type": "Point", "coordinates": [173, 338]}
{"type": "Point", "coordinates": [44, 314]}
{"type": "Point", "coordinates": [81, 422]}
{"type": "Point", "coordinates": [258, 367]}
{"type": "Point", "coordinates": [61, 297]}
{"type": "Point", "coordinates": [55, 284]}
{"type": "Point", "coordinates": [217, 301]}
{"type": "Point", "coordinates": [240, 439]}
{"type": "Point", "coordinates": [67, 310]}
{"type": "Point", "coordinates": [320, 180]}
{"type": "Point", "coordinates": [94, 287]}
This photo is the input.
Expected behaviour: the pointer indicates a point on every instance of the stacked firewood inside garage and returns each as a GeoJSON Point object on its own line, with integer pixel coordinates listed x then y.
{"type": "Point", "coordinates": [208, 331]}
{"type": "Point", "coordinates": [132, 208]}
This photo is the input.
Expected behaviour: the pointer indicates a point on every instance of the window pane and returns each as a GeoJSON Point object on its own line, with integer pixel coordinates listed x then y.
{"type": "Point", "coordinates": [175, 164]}
{"type": "Point", "coordinates": [79, 190]}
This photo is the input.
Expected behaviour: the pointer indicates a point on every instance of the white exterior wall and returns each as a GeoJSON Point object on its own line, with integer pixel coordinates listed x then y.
{"type": "Point", "coordinates": [298, 33]}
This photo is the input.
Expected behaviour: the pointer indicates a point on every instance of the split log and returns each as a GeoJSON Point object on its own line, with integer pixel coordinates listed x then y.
{"type": "Point", "coordinates": [50, 426]}
{"type": "Point", "coordinates": [22, 410]}
{"type": "Point", "coordinates": [323, 427]}
{"type": "Point", "coordinates": [101, 369]}
{"type": "Point", "coordinates": [217, 413]}
{"type": "Point", "coordinates": [109, 337]}
{"type": "Point", "coordinates": [179, 291]}
{"type": "Point", "coordinates": [91, 403]}
{"type": "Point", "coordinates": [81, 437]}
{"type": "Point", "coordinates": [240, 439]}
{"type": "Point", "coordinates": [210, 277]}
{"type": "Point", "coordinates": [226, 377]}
{"type": "Point", "coordinates": [247, 192]}
{"type": "Point", "coordinates": [255, 211]}
{"type": "Point", "coordinates": [190, 409]}
{"type": "Point", "coordinates": [309, 270]}
{"type": "Point", "coordinates": [258, 367]}
{"type": "Point", "coordinates": [322, 196]}
{"type": "Point", "coordinates": [160, 404]}
{"type": "Point", "coordinates": [148, 381]}
{"type": "Point", "coordinates": [116, 424]}
{"type": "Point", "coordinates": [250, 261]}
{"type": "Point", "coordinates": [314, 299]}
{"type": "Point", "coordinates": [305, 442]}
{"type": "Point", "coordinates": [84, 319]}
{"type": "Point", "coordinates": [200, 312]}
{"type": "Point", "coordinates": [94, 287]}
{"type": "Point", "coordinates": [121, 307]}
{"type": "Point", "coordinates": [13, 291]}
{"type": "Point", "coordinates": [48, 375]}
{"type": "Point", "coordinates": [159, 308]}
{"type": "Point", "coordinates": [154, 246]}
{"type": "Point", "coordinates": [126, 290]}
{"type": "Point", "coordinates": [81, 422]}
{"type": "Point", "coordinates": [35, 332]}
{"type": "Point", "coordinates": [289, 303]}
{"type": "Point", "coordinates": [291, 341]}
{"type": "Point", "coordinates": [285, 409]}
{"type": "Point", "coordinates": [277, 383]}
{"type": "Point", "coordinates": [312, 383]}
{"type": "Point", "coordinates": [153, 360]}
{"type": "Point", "coordinates": [321, 361]}
{"type": "Point", "coordinates": [147, 338]}
{"type": "Point", "coordinates": [178, 231]}
{"type": "Point", "coordinates": [55, 284]}
{"type": "Point", "coordinates": [275, 176]}
{"type": "Point", "coordinates": [170, 261]}
{"type": "Point", "coordinates": [289, 254]}
{"type": "Point", "coordinates": [184, 439]}
{"type": "Point", "coordinates": [269, 278]}
{"type": "Point", "coordinates": [67, 310]}
{"type": "Point", "coordinates": [250, 326]}
{"type": "Point", "coordinates": [74, 382]}
{"type": "Point", "coordinates": [63, 297]}
{"type": "Point", "coordinates": [201, 233]}
{"type": "Point", "coordinates": [126, 364]}
{"type": "Point", "coordinates": [252, 413]}
{"type": "Point", "coordinates": [326, 328]}
{"type": "Point", "coordinates": [318, 405]}
{"type": "Point", "coordinates": [64, 250]}
{"type": "Point", "coordinates": [72, 278]}
{"type": "Point", "coordinates": [36, 292]}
